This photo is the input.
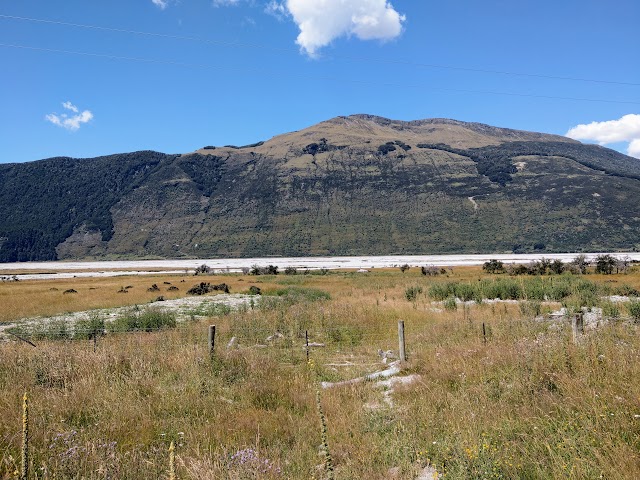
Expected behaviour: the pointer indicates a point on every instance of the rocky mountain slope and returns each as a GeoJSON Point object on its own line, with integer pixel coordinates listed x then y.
{"type": "Point", "coordinates": [347, 186]}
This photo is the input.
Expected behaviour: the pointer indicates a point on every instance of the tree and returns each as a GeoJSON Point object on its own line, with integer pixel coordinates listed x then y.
{"type": "Point", "coordinates": [557, 266]}
{"type": "Point", "coordinates": [605, 264]}
{"type": "Point", "coordinates": [430, 271]}
{"type": "Point", "coordinates": [493, 266]}
{"type": "Point", "coordinates": [204, 268]}
{"type": "Point", "coordinates": [580, 263]}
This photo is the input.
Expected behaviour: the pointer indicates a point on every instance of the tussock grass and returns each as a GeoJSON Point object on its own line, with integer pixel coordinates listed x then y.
{"type": "Point", "coordinates": [527, 404]}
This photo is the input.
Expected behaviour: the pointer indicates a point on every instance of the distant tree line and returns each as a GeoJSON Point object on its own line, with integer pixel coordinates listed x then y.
{"type": "Point", "coordinates": [604, 264]}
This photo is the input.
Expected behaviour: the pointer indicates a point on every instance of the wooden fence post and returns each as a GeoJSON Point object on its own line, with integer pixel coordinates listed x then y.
{"type": "Point", "coordinates": [212, 338]}
{"type": "Point", "coordinates": [306, 338]}
{"type": "Point", "coordinates": [403, 355]}
{"type": "Point", "coordinates": [577, 326]}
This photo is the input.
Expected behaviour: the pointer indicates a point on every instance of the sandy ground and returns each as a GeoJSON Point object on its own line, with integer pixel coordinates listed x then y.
{"type": "Point", "coordinates": [48, 270]}
{"type": "Point", "coordinates": [183, 307]}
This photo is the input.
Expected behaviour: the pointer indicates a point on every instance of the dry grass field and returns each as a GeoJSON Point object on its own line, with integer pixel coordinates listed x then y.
{"type": "Point", "coordinates": [522, 401]}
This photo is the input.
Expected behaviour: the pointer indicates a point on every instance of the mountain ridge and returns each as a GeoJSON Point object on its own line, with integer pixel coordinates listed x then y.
{"type": "Point", "coordinates": [357, 184]}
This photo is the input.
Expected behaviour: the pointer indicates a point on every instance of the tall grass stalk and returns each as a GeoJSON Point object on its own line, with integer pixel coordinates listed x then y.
{"type": "Point", "coordinates": [172, 461]}
{"type": "Point", "coordinates": [328, 461]}
{"type": "Point", "coordinates": [24, 472]}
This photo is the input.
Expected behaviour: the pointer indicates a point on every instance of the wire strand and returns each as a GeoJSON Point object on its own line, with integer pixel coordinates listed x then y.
{"type": "Point", "coordinates": [333, 56]}
{"type": "Point", "coordinates": [316, 77]}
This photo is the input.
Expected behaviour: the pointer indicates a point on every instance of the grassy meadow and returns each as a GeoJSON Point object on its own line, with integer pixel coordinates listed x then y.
{"type": "Point", "coordinates": [521, 401]}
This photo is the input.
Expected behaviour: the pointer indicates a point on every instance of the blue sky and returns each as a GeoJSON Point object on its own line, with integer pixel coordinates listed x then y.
{"type": "Point", "coordinates": [258, 68]}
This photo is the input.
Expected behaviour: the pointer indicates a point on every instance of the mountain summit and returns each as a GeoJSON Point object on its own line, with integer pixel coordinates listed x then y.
{"type": "Point", "coordinates": [351, 185]}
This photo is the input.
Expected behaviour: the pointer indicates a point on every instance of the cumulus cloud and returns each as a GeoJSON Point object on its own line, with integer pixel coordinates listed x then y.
{"type": "Point", "coordinates": [322, 21]}
{"type": "Point", "coordinates": [162, 4]}
{"type": "Point", "coordinates": [625, 129]}
{"type": "Point", "coordinates": [70, 122]}
{"type": "Point", "coordinates": [634, 148]}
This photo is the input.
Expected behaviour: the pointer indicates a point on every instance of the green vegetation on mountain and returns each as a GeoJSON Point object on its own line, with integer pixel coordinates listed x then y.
{"type": "Point", "coordinates": [348, 186]}
{"type": "Point", "coordinates": [42, 202]}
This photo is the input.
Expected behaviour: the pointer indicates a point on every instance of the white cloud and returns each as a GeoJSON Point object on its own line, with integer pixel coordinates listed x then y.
{"type": "Point", "coordinates": [162, 4]}
{"type": "Point", "coordinates": [70, 106]}
{"type": "Point", "coordinates": [322, 21]}
{"type": "Point", "coordinates": [625, 129]}
{"type": "Point", "coordinates": [634, 148]}
{"type": "Point", "coordinates": [225, 3]}
{"type": "Point", "coordinates": [276, 9]}
{"type": "Point", "coordinates": [72, 122]}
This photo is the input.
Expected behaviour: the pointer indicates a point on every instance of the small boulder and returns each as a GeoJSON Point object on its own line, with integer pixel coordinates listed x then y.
{"type": "Point", "coordinates": [253, 290]}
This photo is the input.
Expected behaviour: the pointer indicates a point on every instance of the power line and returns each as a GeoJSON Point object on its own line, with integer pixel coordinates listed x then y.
{"type": "Point", "coordinates": [341, 57]}
{"type": "Point", "coordinates": [313, 77]}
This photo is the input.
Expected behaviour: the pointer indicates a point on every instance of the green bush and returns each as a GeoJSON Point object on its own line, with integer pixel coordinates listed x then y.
{"type": "Point", "coordinates": [349, 335]}
{"type": "Point", "coordinates": [464, 291]}
{"type": "Point", "coordinates": [412, 293]}
{"type": "Point", "coordinates": [626, 291]}
{"type": "Point", "coordinates": [634, 309]}
{"type": "Point", "coordinates": [148, 320]}
{"type": "Point", "coordinates": [530, 308]}
{"type": "Point", "coordinates": [86, 329]}
{"type": "Point", "coordinates": [440, 291]}
{"type": "Point", "coordinates": [302, 293]}
{"type": "Point", "coordinates": [532, 288]}
{"type": "Point", "coordinates": [450, 304]}
{"type": "Point", "coordinates": [558, 291]}
{"type": "Point", "coordinates": [610, 310]}
{"type": "Point", "coordinates": [57, 330]}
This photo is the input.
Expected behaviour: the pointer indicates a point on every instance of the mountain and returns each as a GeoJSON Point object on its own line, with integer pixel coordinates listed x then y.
{"type": "Point", "coordinates": [348, 186]}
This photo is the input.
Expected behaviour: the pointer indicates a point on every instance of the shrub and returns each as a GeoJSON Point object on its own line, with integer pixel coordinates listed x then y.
{"type": "Point", "coordinates": [536, 288]}
{"type": "Point", "coordinates": [404, 268]}
{"type": "Point", "coordinates": [203, 288]}
{"type": "Point", "coordinates": [634, 309]}
{"type": "Point", "coordinates": [440, 291]}
{"type": "Point", "coordinates": [580, 264]}
{"type": "Point", "coordinates": [89, 328]}
{"type": "Point", "coordinates": [610, 310]}
{"type": "Point", "coordinates": [143, 321]}
{"type": "Point", "coordinates": [268, 270]}
{"type": "Point", "coordinates": [303, 293]}
{"type": "Point", "coordinates": [204, 269]}
{"type": "Point", "coordinates": [464, 291]}
{"type": "Point", "coordinates": [530, 308]}
{"type": "Point", "coordinates": [493, 266]}
{"type": "Point", "coordinates": [217, 310]}
{"type": "Point", "coordinates": [557, 266]}
{"type": "Point", "coordinates": [432, 271]}
{"type": "Point", "coordinates": [450, 304]}
{"type": "Point", "coordinates": [626, 291]}
{"type": "Point", "coordinates": [412, 293]}
{"type": "Point", "coordinates": [386, 148]}
{"type": "Point", "coordinates": [558, 291]}
{"type": "Point", "coordinates": [605, 264]}
{"type": "Point", "coordinates": [58, 330]}
{"type": "Point", "coordinates": [350, 335]}
{"type": "Point", "coordinates": [291, 271]}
